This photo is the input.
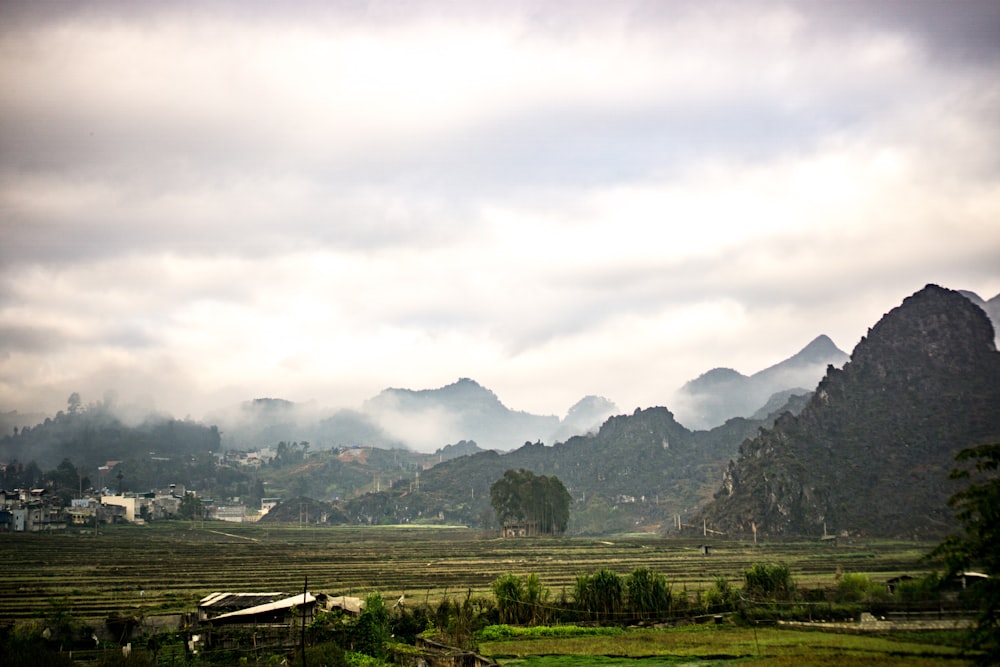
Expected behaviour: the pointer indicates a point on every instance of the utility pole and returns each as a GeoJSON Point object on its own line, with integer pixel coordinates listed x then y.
{"type": "Point", "coordinates": [305, 588]}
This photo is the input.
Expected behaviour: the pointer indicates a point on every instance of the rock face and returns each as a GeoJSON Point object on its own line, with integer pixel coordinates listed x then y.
{"type": "Point", "coordinates": [872, 450]}
{"type": "Point", "coordinates": [722, 393]}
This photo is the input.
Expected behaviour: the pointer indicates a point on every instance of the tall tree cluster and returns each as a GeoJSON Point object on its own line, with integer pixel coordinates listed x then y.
{"type": "Point", "coordinates": [522, 496]}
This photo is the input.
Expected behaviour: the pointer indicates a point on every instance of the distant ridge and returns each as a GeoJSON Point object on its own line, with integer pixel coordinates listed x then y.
{"type": "Point", "coordinates": [723, 393]}
{"type": "Point", "coordinates": [463, 410]}
{"type": "Point", "coordinates": [871, 452]}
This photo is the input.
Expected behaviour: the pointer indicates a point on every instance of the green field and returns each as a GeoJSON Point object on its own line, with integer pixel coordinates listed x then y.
{"type": "Point", "coordinates": [165, 568]}
{"type": "Point", "coordinates": [725, 645]}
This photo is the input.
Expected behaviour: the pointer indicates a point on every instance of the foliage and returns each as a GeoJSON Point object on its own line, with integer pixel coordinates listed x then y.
{"type": "Point", "coordinates": [720, 597]}
{"type": "Point", "coordinates": [190, 507]}
{"type": "Point", "coordinates": [918, 589]}
{"type": "Point", "coordinates": [325, 654]}
{"type": "Point", "coordinates": [600, 595]}
{"type": "Point", "coordinates": [521, 495]}
{"type": "Point", "coordinates": [521, 600]}
{"type": "Point", "coordinates": [370, 633]}
{"type": "Point", "coordinates": [853, 587]}
{"type": "Point", "coordinates": [648, 594]}
{"type": "Point", "coordinates": [769, 581]}
{"type": "Point", "coordinates": [978, 510]}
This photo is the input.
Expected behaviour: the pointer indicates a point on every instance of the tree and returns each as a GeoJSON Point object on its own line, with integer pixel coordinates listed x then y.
{"type": "Point", "coordinates": [978, 511]}
{"type": "Point", "coordinates": [190, 507]}
{"type": "Point", "coordinates": [521, 495]}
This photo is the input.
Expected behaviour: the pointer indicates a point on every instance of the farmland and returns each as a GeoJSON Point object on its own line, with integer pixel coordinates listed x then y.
{"type": "Point", "coordinates": [165, 568]}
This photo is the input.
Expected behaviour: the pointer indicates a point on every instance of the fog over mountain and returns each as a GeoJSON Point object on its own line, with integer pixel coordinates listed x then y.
{"type": "Point", "coordinates": [425, 420]}
{"type": "Point", "coordinates": [722, 393]}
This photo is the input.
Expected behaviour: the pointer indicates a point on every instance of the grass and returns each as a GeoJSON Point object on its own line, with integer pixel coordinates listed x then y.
{"type": "Point", "coordinates": [166, 567]}
{"type": "Point", "coordinates": [722, 645]}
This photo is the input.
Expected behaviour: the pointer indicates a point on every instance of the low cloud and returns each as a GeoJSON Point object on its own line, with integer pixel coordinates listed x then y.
{"type": "Point", "coordinates": [203, 203]}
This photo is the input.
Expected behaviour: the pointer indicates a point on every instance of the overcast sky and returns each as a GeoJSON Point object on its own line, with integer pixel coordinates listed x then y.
{"type": "Point", "coordinates": [209, 202]}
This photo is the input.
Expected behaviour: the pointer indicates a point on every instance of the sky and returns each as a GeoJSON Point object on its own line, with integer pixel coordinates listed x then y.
{"type": "Point", "coordinates": [203, 203]}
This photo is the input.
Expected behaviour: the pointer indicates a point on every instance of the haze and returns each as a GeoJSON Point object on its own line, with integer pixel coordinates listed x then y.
{"type": "Point", "coordinates": [202, 203]}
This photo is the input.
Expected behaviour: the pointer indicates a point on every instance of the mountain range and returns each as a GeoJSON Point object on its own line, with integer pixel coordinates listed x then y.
{"type": "Point", "coordinates": [424, 420]}
{"type": "Point", "coordinates": [866, 451]}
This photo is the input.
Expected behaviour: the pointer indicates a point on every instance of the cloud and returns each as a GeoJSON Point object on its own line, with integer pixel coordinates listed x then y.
{"type": "Point", "coordinates": [208, 202]}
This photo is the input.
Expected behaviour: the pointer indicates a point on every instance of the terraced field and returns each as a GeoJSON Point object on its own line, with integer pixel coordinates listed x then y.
{"type": "Point", "coordinates": [166, 568]}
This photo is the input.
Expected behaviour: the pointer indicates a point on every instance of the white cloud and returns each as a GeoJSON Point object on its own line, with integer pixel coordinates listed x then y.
{"type": "Point", "coordinates": [207, 205]}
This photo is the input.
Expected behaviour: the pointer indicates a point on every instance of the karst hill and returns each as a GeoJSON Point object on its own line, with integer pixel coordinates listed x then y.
{"type": "Point", "coordinates": [872, 450]}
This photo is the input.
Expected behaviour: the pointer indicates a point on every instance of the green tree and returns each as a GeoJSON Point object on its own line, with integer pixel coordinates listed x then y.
{"type": "Point", "coordinates": [978, 511]}
{"type": "Point", "coordinates": [190, 507]}
{"type": "Point", "coordinates": [371, 633]}
{"type": "Point", "coordinates": [521, 495]}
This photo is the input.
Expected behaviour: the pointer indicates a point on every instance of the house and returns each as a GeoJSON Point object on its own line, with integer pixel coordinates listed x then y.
{"type": "Point", "coordinates": [231, 513]}
{"type": "Point", "coordinates": [520, 529]}
{"type": "Point", "coordinates": [130, 503]}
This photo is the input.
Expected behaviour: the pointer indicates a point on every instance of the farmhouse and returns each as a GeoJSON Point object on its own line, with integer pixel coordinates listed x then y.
{"type": "Point", "coordinates": [520, 529]}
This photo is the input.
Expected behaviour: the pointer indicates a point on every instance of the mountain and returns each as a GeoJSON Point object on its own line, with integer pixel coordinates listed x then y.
{"type": "Point", "coordinates": [465, 410]}
{"type": "Point", "coordinates": [872, 450]}
{"type": "Point", "coordinates": [586, 416]}
{"type": "Point", "coordinates": [991, 308]}
{"type": "Point", "coordinates": [425, 419]}
{"type": "Point", "coordinates": [639, 469]}
{"type": "Point", "coordinates": [721, 393]}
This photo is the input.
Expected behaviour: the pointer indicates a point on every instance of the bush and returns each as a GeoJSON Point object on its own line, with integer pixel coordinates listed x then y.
{"type": "Point", "coordinates": [648, 594]}
{"type": "Point", "coordinates": [769, 581]}
{"type": "Point", "coordinates": [857, 588]}
{"type": "Point", "coordinates": [720, 597]}
{"type": "Point", "coordinates": [327, 654]}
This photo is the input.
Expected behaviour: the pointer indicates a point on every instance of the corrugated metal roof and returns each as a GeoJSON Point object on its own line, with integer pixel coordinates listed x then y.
{"type": "Point", "coordinates": [226, 599]}
{"type": "Point", "coordinates": [270, 606]}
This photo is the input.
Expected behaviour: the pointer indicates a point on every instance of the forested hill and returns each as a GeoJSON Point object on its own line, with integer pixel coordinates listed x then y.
{"type": "Point", "coordinates": [644, 467]}
{"type": "Point", "coordinates": [872, 451]}
{"type": "Point", "coordinates": [155, 452]}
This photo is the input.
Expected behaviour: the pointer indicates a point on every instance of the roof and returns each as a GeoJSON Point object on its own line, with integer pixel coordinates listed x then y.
{"type": "Point", "coordinates": [231, 600]}
{"type": "Point", "coordinates": [270, 606]}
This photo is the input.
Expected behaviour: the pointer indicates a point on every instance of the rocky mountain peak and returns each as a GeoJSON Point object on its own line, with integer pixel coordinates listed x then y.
{"type": "Point", "coordinates": [872, 450]}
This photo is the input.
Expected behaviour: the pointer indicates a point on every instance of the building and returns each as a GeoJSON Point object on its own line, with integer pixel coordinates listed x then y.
{"type": "Point", "coordinates": [520, 529]}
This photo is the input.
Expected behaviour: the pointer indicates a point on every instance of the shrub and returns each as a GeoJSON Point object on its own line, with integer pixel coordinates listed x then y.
{"type": "Point", "coordinates": [769, 581]}
{"type": "Point", "coordinates": [648, 594]}
{"type": "Point", "coordinates": [857, 588]}
{"type": "Point", "coordinates": [720, 597]}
